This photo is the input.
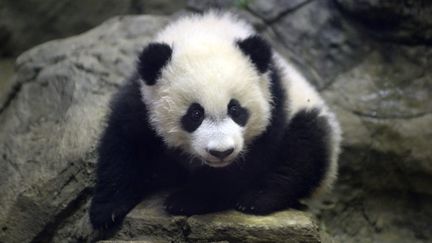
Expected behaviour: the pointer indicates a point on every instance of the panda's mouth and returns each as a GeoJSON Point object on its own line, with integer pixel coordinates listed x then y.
{"type": "Point", "coordinates": [218, 164]}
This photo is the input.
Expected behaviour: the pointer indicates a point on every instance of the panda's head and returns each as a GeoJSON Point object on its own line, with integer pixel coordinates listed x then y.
{"type": "Point", "coordinates": [208, 100]}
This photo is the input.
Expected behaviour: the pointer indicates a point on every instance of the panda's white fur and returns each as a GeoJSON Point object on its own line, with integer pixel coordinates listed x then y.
{"type": "Point", "coordinates": [188, 78]}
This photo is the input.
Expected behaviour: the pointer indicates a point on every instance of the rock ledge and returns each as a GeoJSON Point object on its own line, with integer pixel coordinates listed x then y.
{"type": "Point", "coordinates": [150, 220]}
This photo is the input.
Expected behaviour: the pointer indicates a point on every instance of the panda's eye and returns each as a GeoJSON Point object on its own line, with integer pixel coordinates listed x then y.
{"type": "Point", "coordinates": [193, 117]}
{"type": "Point", "coordinates": [234, 110]}
{"type": "Point", "coordinates": [197, 114]}
{"type": "Point", "coordinates": [239, 114]}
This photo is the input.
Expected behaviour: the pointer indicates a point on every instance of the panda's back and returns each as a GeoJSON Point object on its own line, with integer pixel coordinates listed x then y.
{"type": "Point", "coordinates": [302, 96]}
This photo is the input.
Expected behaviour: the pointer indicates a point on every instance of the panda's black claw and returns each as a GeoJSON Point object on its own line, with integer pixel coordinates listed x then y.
{"type": "Point", "coordinates": [107, 216]}
{"type": "Point", "coordinates": [259, 202]}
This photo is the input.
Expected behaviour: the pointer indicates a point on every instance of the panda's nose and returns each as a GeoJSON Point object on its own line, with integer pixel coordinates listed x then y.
{"type": "Point", "coordinates": [221, 154]}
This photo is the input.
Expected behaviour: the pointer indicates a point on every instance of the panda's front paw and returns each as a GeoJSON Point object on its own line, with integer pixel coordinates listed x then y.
{"type": "Point", "coordinates": [259, 202]}
{"type": "Point", "coordinates": [106, 216]}
{"type": "Point", "coordinates": [186, 203]}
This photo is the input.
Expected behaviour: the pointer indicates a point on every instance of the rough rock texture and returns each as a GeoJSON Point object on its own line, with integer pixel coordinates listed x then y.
{"type": "Point", "coordinates": [285, 226]}
{"type": "Point", "coordinates": [25, 23]}
{"type": "Point", "coordinates": [6, 73]}
{"type": "Point", "coordinates": [321, 41]}
{"type": "Point", "coordinates": [238, 7]}
{"type": "Point", "coordinates": [50, 120]}
{"type": "Point", "coordinates": [130, 241]}
{"type": "Point", "coordinates": [272, 10]}
{"type": "Point", "coordinates": [384, 191]}
{"type": "Point", "coordinates": [404, 22]}
{"type": "Point", "coordinates": [379, 86]}
{"type": "Point", "coordinates": [150, 220]}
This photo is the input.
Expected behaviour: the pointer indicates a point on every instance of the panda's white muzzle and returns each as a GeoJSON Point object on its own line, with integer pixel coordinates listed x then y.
{"type": "Point", "coordinates": [218, 143]}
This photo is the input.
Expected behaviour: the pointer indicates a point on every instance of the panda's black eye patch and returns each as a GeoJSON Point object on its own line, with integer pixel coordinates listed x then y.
{"type": "Point", "coordinates": [193, 117]}
{"type": "Point", "coordinates": [239, 114]}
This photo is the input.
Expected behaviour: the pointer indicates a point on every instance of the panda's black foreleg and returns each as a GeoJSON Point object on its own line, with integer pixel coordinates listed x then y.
{"type": "Point", "coordinates": [299, 167]}
{"type": "Point", "coordinates": [120, 185]}
{"type": "Point", "coordinates": [130, 159]}
{"type": "Point", "coordinates": [126, 172]}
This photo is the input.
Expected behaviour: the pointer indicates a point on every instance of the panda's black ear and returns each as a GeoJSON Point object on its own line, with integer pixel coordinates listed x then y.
{"type": "Point", "coordinates": [258, 51]}
{"type": "Point", "coordinates": [151, 61]}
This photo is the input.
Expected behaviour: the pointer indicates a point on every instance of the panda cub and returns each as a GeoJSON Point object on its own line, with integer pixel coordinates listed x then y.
{"type": "Point", "coordinates": [215, 113]}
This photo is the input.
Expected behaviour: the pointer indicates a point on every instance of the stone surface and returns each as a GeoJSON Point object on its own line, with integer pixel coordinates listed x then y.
{"type": "Point", "coordinates": [39, 209]}
{"type": "Point", "coordinates": [271, 10]}
{"type": "Point", "coordinates": [150, 220]}
{"type": "Point", "coordinates": [210, 4]}
{"type": "Point", "coordinates": [128, 241]}
{"type": "Point", "coordinates": [320, 40]}
{"type": "Point", "coordinates": [6, 78]}
{"type": "Point", "coordinates": [237, 7]}
{"type": "Point", "coordinates": [52, 118]}
{"type": "Point", "coordinates": [405, 22]}
{"type": "Point", "coordinates": [268, 11]}
{"type": "Point", "coordinates": [24, 24]}
{"type": "Point", "coordinates": [386, 107]}
{"type": "Point", "coordinates": [286, 226]}
{"type": "Point", "coordinates": [354, 212]}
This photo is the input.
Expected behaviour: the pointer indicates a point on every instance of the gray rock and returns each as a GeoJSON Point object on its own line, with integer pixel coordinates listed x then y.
{"type": "Point", "coordinates": [38, 209]}
{"type": "Point", "coordinates": [355, 213]}
{"type": "Point", "coordinates": [268, 11]}
{"type": "Point", "coordinates": [286, 226]}
{"type": "Point", "coordinates": [6, 79]}
{"type": "Point", "coordinates": [404, 22]}
{"type": "Point", "coordinates": [386, 107]}
{"type": "Point", "coordinates": [237, 7]}
{"type": "Point", "coordinates": [131, 241]}
{"type": "Point", "coordinates": [204, 5]}
{"type": "Point", "coordinates": [73, 227]}
{"type": "Point", "coordinates": [24, 24]}
{"type": "Point", "coordinates": [156, 7]}
{"type": "Point", "coordinates": [321, 41]}
{"type": "Point", "coordinates": [150, 220]}
{"type": "Point", "coordinates": [54, 118]}
{"type": "Point", "coordinates": [271, 10]}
